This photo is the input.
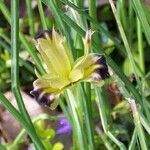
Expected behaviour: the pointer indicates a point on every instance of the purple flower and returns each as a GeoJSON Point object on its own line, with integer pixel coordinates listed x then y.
{"type": "Point", "coordinates": [64, 126]}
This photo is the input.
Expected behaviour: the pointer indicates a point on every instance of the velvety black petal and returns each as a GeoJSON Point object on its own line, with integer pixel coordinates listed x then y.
{"type": "Point", "coordinates": [43, 99]}
{"type": "Point", "coordinates": [43, 33]}
{"type": "Point", "coordinates": [103, 70]}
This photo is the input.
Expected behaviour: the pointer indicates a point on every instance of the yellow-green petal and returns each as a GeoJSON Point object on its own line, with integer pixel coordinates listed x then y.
{"type": "Point", "coordinates": [54, 54]}
{"type": "Point", "coordinates": [91, 68]}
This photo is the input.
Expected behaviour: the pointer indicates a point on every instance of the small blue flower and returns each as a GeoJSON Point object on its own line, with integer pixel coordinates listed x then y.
{"type": "Point", "coordinates": [64, 127]}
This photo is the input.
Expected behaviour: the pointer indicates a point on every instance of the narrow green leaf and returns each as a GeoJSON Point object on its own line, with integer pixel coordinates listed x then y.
{"type": "Point", "coordinates": [139, 7]}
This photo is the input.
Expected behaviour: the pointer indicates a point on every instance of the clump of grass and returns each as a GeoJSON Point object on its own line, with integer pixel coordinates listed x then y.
{"type": "Point", "coordinates": [85, 103]}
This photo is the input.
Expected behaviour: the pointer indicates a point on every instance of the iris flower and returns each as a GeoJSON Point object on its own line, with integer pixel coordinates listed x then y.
{"type": "Point", "coordinates": [61, 70]}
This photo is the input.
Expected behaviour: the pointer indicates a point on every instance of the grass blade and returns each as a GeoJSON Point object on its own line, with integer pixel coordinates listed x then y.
{"type": "Point", "coordinates": [15, 66]}
{"type": "Point", "coordinates": [30, 17]}
{"type": "Point", "coordinates": [41, 12]}
{"type": "Point", "coordinates": [26, 44]}
{"type": "Point", "coordinates": [138, 125]}
{"type": "Point", "coordinates": [86, 103]}
{"type": "Point", "coordinates": [139, 9]}
{"type": "Point", "coordinates": [133, 140]}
